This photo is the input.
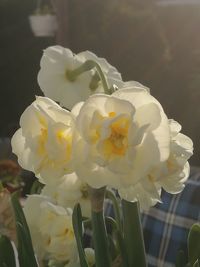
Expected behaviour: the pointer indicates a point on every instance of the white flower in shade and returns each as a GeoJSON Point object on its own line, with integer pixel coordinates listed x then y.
{"type": "Point", "coordinates": [122, 137]}
{"type": "Point", "coordinates": [43, 144]}
{"type": "Point", "coordinates": [54, 80]}
{"type": "Point", "coordinates": [69, 192]}
{"type": "Point", "coordinates": [177, 168]}
{"type": "Point", "coordinates": [146, 192]}
{"type": "Point", "coordinates": [169, 175]}
{"type": "Point", "coordinates": [51, 229]}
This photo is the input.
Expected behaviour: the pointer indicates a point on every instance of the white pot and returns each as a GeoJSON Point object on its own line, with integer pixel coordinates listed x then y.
{"type": "Point", "coordinates": [43, 25]}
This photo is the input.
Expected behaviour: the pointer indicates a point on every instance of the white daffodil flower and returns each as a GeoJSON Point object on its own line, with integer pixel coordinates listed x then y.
{"type": "Point", "coordinates": [54, 78]}
{"type": "Point", "coordinates": [43, 144]}
{"type": "Point", "coordinates": [51, 229]}
{"type": "Point", "coordinates": [71, 191]}
{"type": "Point", "coordinates": [122, 137]}
{"type": "Point", "coordinates": [169, 175]}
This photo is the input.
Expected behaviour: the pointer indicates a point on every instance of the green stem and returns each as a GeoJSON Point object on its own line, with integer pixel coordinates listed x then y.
{"type": "Point", "coordinates": [133, 234]}
{"type": "Point", "coordinates": [94, 83]}
{"type": "Point", "coordinates": [86, 66]}
{"type": "Point", "coordinates": [110, 195]}
{"type": "Point", "coordinates": [100, 237]}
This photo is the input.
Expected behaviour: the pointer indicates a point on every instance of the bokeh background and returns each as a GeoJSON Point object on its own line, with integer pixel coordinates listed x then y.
{"type": "Point", "coordinates": [155, 44]}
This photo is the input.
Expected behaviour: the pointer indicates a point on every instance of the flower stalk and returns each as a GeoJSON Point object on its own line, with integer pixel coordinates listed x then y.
{"type": "Point", "coordinates": [86, 66]}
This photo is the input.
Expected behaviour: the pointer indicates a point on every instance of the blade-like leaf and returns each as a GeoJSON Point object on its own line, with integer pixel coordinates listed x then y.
{"type": "Point", "coordinates": [194, 244]}
{"type": "Point", "coordinates": [122, 249]}
{"type": "Point", "coordinates": [77, 224]}
{"type": "Point", "coordinates": [100, 239]}
{"type": "Point", "coordinates": [133, 234]}
{"type": "Point", "coordinates": [112, 247]}
{"type": "Point", "coordinates": [7, 256]}
{"type": "Point", "coordinates": [117, 237]}
{"type": "Point", "coordinates": [181, 259]}
{"type": "Point", "coordinates": [25, 248]}
{"type": "Point", "coordinates": [110, 195]}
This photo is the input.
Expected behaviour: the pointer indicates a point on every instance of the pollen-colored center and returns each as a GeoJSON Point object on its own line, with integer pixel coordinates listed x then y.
{"type": "Point", "coordinates": [59, 142]}
{"type": "Point", "coordinates": [117, 142]}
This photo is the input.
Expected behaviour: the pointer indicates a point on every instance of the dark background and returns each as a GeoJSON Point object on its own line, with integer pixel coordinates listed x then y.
{"type": "Point", "coordinates": [157, 46]}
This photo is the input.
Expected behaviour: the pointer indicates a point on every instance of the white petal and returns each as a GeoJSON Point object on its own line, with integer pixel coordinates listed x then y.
{"type": "Point", "coordinates": [148, 114]}
{"type": "Point", "coordinates": [76, 109]}
{"type": "Point", "coordinates": [175, 127]}
{"type": "Point", "coordinates": [175, 183]}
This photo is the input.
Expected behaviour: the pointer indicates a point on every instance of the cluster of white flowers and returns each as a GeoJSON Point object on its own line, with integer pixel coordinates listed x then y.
{"type": "Point", "coordinates": [123, 140]}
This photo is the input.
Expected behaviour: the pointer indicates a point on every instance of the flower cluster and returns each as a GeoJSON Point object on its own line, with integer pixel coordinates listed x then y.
{"type": "Point", "coordinates": [102, 132]}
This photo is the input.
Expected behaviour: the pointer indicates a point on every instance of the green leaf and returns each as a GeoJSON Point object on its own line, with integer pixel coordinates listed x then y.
{"type": "Point", "coordinates": [100, 240]}
{"type": "Point", "coordinates": [122, 249]}
{"type": "Point", "coordinates": [111, 223]}
{"type": "Point", "coordinates": [77, 224]}
{"type": "Point", "coordinates": [118, 240]}
{"type": "Point", "coordinates": [194, 244]}
{"type": "Point", "coordinates": [25, 248]}
{"type": "Point", "coordinates": [181, 259]}
{"type": "Point", "coordinates": [7, 256]}
{"type": "Point", "coordinates": [112, 247]}
{"type": "Point", "coordinates": [133, 234]}
{"type": "Point", "coordinates": [110, 195]}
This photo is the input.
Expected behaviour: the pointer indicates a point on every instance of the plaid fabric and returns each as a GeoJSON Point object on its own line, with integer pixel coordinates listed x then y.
{"type": "Point", "coordinates": [166, 225]}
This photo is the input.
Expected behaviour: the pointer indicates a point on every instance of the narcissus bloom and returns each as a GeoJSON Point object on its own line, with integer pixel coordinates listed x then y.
{"type": "Point", "coordinates": [43, 144]}
{"type": "Point", "coordinates": [54, 80]}
{"type": "Point", "coordinates": [69, 192]}
{"type": "Point", "coordinates": [169, 175]}
{"type": "Point", "coordinates": [51, 229]}
{"type": "Point", "coordinates": [121, 137]}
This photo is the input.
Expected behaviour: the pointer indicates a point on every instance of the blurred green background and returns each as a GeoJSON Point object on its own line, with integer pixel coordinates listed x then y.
{"type": "Point", "coordinates": [157, 46]}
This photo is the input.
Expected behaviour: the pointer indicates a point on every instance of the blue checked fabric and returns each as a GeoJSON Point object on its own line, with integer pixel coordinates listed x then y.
{"type": "Point", "coordinates": [166, 226]}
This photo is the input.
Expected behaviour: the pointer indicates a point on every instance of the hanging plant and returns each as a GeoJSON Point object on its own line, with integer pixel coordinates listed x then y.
{"type": "Point", "coordinates": [43, 21]}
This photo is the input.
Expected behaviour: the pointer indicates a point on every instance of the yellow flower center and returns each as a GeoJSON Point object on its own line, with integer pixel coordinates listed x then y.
{"type": "Point", "coordinates": [117, 142]}
{"type": "Point", "coordinates": [63, 144]}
